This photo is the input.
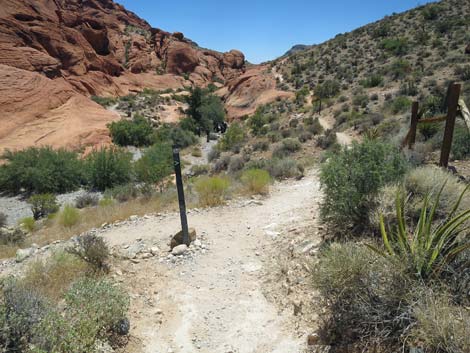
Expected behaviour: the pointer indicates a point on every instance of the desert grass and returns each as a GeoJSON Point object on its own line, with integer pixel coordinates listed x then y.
{"type": "Point", "coordinates": [55, 228]}
{"type": "Point", "coordinates": [53, 276]}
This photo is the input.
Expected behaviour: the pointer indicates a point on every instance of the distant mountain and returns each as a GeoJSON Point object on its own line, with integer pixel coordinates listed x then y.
{"type": "Point", "coordinates": [296, 49]}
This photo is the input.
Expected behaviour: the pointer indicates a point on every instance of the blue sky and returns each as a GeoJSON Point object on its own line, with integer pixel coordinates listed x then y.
{"type": "Point", "coordinates": [263, 29]}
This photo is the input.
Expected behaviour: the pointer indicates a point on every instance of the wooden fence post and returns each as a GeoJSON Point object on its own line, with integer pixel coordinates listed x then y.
{"type": "Point", "coordinates": [414, 124]}
{"type": "Point", "coordinates": [453, 95]}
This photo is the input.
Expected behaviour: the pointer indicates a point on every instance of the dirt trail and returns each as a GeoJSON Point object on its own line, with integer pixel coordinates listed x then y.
{"type": "Point", "coordinates": [215, 302]}
{"type": "Point", "coordinates": [343, 138]}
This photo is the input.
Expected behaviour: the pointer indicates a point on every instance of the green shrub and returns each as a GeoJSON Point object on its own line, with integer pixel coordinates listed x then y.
{"type": "Point", "coordinates": [368, 301]}
{"type": "Point", "coordinates": [328, 89]}
{"type": "Point", "coordinates": [417, 183]}
{"type": "Point", "coordinates": [136, 132]}
{"type": "Point", "coordinates": [236, 164]}
{"type": "Point", "coordinates": [123, 193]}
{"type": "Point", "coordinates": [328, 140]}
{"type": "Point", "coordinates": [431, 12]}
{"type": "Point", "coordinates": [28, 224]}
{"type": "Point", "coordinates": [441, 326]}
{"type": "Point", "coordinates": [108, 167]}
{"type": "Point", "coordinates": [396, 46]}
{"type": "Point", "coordinates": [87, 200]}
{"type": "Point", "coordinates": [14, 236]}
{"type": "Point", "coordinates": [233, 138]}
{"type": "Point", "coordinates": [461, 143]}
{"type": "Point", "coordinates": [69, 216]}
{"type": "Point", "coordinates": [106, 202]}
{"type": "Point", "coordinates": [257, 123]}
{"type": "Point", "coordinates": [22, 309]}
{"type": "Point", "coordinates": [214, 154]}
{"type": "Point", "coordinates": [429, 130]}
{"type": "Point", "coordinates": [286, 148]}
{"type": "Point", "coordinates": [261, 145]}
{"type": "Point", "coordinates": [174, 136]}
{"type": "Point", "coordinates": [52, 276]}
{"type": "Point", "coordinates": [400, 105]}
{"type": "Point", "coordinates": [199, 169]}
{"type": "Point", "coordinates": [104, 101]}
{"type": "Point", "coordinates": [93, 308]}
{"type": "Point", "coordinates": [463, 72]}
{"type": "Point", "coordinates": [374, 80]}
{"type": "Point", "coordinates": [212, 190]}
{"type": "Point", "coordinates": [352, 176]}
{"type": "Point", "coordinates": [399, 69]}
{"type": "Point", "coordinates": [40, 170]}
{"type": "Point", "coordinates": [43, 205]}
{"type": "Point", "coordinates": [93, 250]}
{"type": "Point", "coordinates": [256, 181]}
{"type": "Point", "coordinates": [285, 168]}
{"type": "Point", "coordinates": [156, 164]}
{"type": "Point", "coordinates": [428, 250]}
{"type": "Point", "coordinates": [360, 100]}
{"type": "Point", "coordinates": [315, 128]}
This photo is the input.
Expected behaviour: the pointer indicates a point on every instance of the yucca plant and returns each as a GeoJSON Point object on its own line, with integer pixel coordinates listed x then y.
{"type": "Point", "coordinates": [429, 248]}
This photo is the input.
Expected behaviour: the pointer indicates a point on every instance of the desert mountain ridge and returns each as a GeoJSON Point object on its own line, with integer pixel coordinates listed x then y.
{"type": "Point", "coordinates": [55, 55]}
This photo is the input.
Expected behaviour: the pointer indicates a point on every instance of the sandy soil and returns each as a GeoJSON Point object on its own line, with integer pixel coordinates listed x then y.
{"type": "Point", "coordinates": [217, 301]}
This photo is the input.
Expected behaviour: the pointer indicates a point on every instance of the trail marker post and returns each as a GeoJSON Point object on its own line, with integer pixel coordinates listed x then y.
{"type": "Point", "coordinates": [453, 96]}
{"type": "Point", "coordinates": [181, 200]}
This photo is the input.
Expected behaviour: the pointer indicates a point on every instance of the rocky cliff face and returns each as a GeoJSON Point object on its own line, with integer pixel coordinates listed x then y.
{"type": "Point", "coordinates": [55, 53]}
{"type": "Point", "coordinates": [91, 42]}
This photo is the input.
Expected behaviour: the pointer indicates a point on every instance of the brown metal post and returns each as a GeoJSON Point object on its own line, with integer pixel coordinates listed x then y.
{"type": "Point", "coordinates": [181, 200]}
{"type": "Point", "coordinates": [414, 124]}
{"type": "Point", "coordinates": [452, 107]}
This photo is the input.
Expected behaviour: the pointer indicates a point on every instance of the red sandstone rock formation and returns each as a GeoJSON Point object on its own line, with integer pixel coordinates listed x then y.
{"type": "Point", "coordinates": [56, 53]}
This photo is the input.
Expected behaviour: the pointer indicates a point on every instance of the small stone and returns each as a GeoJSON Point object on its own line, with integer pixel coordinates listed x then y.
{"type": "Point", "coordinates": [313, 339]}
{"type": "Point", "coordinates": [197, 243]}
{"type": "Point", "coordinates": [154, 250]}
{"type": "Point", "coordinates": [23, 254]}
{"type": "Point", "coordinates": [178, 238]}
{"type": "Point", "coordinates": [180, 250]}
{"type": "Point", "coordinates": [133, 218]}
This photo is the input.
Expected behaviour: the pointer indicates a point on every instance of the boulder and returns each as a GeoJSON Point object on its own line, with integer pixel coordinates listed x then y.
{"type": "Point", "coordinates": [178, 238]}
{"type": "Point", "coordinates": [23, 254]}
{"type": "Point", "coordinates": [179, 250]}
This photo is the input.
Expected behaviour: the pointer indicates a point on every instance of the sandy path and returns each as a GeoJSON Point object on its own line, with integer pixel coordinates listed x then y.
{"type": "Point", "coordinates": [215, 302]}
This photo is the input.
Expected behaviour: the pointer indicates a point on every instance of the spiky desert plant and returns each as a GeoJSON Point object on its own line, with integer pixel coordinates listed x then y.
{"type": "Point", "coordinates": [427, 249]}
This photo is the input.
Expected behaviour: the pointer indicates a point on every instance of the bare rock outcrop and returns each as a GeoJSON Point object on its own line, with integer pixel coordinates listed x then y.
{"type": "Point", "coordinates": [56, 53]}
{"type": "Point", "coordinates": [243, 94]}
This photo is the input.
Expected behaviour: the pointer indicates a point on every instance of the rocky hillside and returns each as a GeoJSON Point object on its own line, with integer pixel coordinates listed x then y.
{"type": "Point", "coordinates": [382, 67]}
{"type": "Point", "coordinates": [54, 54]}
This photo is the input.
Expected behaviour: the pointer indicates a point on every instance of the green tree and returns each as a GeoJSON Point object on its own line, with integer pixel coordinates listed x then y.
{"type": "Point", "coordinates": [234, 136]}
{"type": "Point", "coordinates": [135, 132]}
{"type": "Point", "coordinates": [257, 122]}
{"type": "Point", "coordinates": [108, 167]}
{"type": "Point", "coordinates": [156, 164]}
{"type": "Point", "coordinates": [326, 90]}
{"type": "Point", "coordinates": [205, 110]}
{"type": "Point", "coordinates": [40, 170]}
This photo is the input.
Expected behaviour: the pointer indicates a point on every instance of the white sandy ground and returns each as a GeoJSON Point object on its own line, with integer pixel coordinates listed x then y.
{"type": "Point", "coordinates": [216, 303]}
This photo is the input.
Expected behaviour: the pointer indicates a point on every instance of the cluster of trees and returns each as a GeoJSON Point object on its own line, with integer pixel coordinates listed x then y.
{"type": "Point", "coordinates": [45, 170]}
{"type": "Point", "coordinates": [205, 112]}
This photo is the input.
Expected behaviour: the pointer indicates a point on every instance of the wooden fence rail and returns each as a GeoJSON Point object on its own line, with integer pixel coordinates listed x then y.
{"type": "Point", "coordinates": [455, 106]}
